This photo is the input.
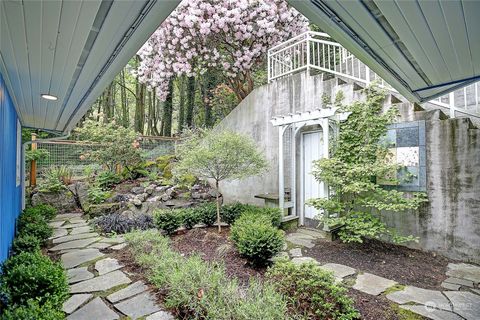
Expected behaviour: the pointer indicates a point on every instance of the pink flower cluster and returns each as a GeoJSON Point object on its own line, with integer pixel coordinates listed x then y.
{"type": "Point", "coordinates": [229, 35]}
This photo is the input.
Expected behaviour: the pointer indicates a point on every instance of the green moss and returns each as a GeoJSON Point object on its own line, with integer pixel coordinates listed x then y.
{"type": "Point", "coordinates": [404, 314]}
{"type": "Point", "coordinates": [164, 161]}
{"type": "Point", "coordinates": [395, 288]}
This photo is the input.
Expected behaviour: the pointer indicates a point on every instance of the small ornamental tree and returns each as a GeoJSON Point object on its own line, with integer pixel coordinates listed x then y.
{"type": "Point", "coordinates": [220, 155]}
{"type": "Point", "coordinates": [117, 145]}
{"type": "Point", "coordinates": [359, 160]}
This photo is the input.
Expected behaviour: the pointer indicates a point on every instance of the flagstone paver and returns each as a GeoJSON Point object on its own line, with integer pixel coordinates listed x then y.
{"type": "Point", "coordinates": [101, 283]}
{"type": "Point", "coordinates": [118, 246]}
{"type": "Point", "coordinates": [100, 245]}
{"type": "Point", "coordinates": [464, 271]}
{"type": "Point", "coordinates": [67, 216]}
{"type": "Point", "coordinates": [78, 274]}
{"type": "Point", "coordinates": [115, 240]}
{"type": "Point", "coordinates": [58, 233]}
{"type": "Point", "coordinates": [301, 260]}
{"type": "Point", "coordinates": [161, 315]}
{"type": "Point", "coordinates": [78, 230]}
{"type": "Point", "coordinates": [138, 306]}
{"type": "Point", "coordinates": [95, 309]}
{"type": "Point", "coordinates": [466, 304]}
{"type": "Point", "coordinates": [75, 301]}
{"type": "Point", "coordinates": [74, 225]}
{"type": "Point", "coordinates": [295, 252]}
{"type": "Point", "coordinates": [77, 257]}
{"type": "Point", "coordinates": [461, 282]}
{"type": "Point", "coordinates": [131, 290]}
{"type": "Point", "coordinates": [76, 244]}
{"type": "Point", "coordinates": [432, 313]}
{"type": "Point", "coordinates": [107, 265]}
{"type": "Point", "coordinates": [372, 284]}
{"type": "Point", "coordinates": [420, 296]}
{"type": "Point", "coordinates": [314, 233]}
{"type": "Point", "coordinates": [56, 224]}
{"type": "Point", "coordinates": [75, 237]}
{"type": "Point", "coordinates": [339, 270]}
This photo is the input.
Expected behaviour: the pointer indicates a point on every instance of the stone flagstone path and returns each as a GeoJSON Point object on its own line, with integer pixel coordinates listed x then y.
{"type": "Point", "coordinates": [100, 289]}
{"type": "Point", "coordinates": [460, 300]}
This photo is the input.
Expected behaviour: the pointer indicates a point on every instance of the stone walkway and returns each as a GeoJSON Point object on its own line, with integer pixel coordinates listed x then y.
{"type": "Point", "coordinates": [460, 300]}
{"type": "Point", "coordinates": [99, 287]}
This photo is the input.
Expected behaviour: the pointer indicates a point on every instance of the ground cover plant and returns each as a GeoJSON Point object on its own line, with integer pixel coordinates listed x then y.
{"type": "Point", "coordinates": [195, 289]}
{"type": "Point", "coordinates": [120, 223]}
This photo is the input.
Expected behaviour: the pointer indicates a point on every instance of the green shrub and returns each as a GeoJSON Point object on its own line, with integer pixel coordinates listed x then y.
{"type": "Point", "coordinates": [190, 217]}
{"type": "Point", "coordinates": [311, 292]}
{"type": "Point", "coordinates": [196, 289]}
{"type": "Point", "coordinates": [256, 239]}
{"type": "Point", "coordinates": [273, 214]}
{"type": "Point", "coordinates": [32, 310]}
{"type": "Point", "coordinates": [26, 243]}
{"type": "Point", "coordinates": [207, 213]}
{"type": "Point", "coordinates": [30, 275]}
{"type": "Point", "coordinates": [231, 212]}
{"type": "Point", "coordinates": [34, 224]}
{"type": "Point", "coordinates": [96, 195]}
{"type": "Point", "coordinates": [44, 210]}
{"type": "Point", "coordinates": [107, 179]}
{"type": "Point", "coordinates": [167, 220]}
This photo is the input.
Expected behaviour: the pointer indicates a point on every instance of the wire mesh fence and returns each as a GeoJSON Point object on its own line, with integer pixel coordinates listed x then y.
{"type": "Point", "coordinates": [71, 153]}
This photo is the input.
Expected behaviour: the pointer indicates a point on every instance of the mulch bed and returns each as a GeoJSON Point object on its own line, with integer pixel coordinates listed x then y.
{"type": "Point", "coordinates": [214, 246]}
{"type": "Point", "coordinates": [404, 265]}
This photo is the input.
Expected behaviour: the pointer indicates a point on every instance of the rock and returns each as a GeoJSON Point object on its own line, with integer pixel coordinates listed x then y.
{"type": "Point", "coordinates": [119, 198]}
{"type": "Point", "coordinates": [107, 265]}
{"type": "Point", "coordinates": [57, 233]}
{"type": "Point", "coordinates": [137, 202]}
{"type": "Point", "coordinates": [300, 240]}
{"type": "Point", "coordinates": [372, 284]}
{"type": "Point", "coordinates": [431, 313]}
{"type": "Point", "coordinates": [75, 301]}
{"type": "Point", "coordinates": [96, 210]}
{"type": "Point", "coordinates": [160, 189]}
{"type": "Point", "coordinates": [79, 230]}
{"type": "Point", "coordinates": [101, 283]}
{"type": "Point", "coordinates": [196, 195]}
{"type": "Point", "coordinates": [114, 240]}
{"type": "Point", "coordinates": [142, 197]}
{"type": "Point", "coordinates": [171, 192]}
{"type": "Point", "coordinates": [62, 201]}
{"type": "Point", "coordinates": [316, 234]}
{"type": "Point", "coordinates": [339, 270]}
{"type": "Point", "coordinates": [464, 271]}
{"type": "Point", "coordinates": [131, 290]}
{"type": "Point", "coordinates": [75, 237]}
{"type": "Point", "coordinates": [178, 203]}
{"type": "Point", "coordinates": [138, 190]}
{"type": "Point", "coordinates": [56, 224]}
{"type": "Point", "coordinates": [138, 306]}
{"type": "Point", "coordinates": [99, 245]}
{"type": "Point", "coordinates": [78, 274]}
{"type": "Point", "coordinates": [301, 260]}
{"type": "Point", "coordinates": [450, 286]}
{"type": "Point", "coordinates": [153, 199]}
{"type": "Point", "coordinates": [282, 255]}
{"type": "Point", "coordinates": [466, 304]}
{"type": "Point", "coordinates": [80, 192]}
{"type": "Point", "coordinates": [165, 197]}
{"type": "Point", "coordinates": [119, 246]}
{"type": "Point", "coordinates": [76, 244]}
{"type": "Point", "coordinates": [96, 309]}
{"type": "Point", "coordinates": [295, 252]}
{"type": "Point", "coordinates": [461, 282]}
{"type": "Point", "coordinates": [149, 190]}
{"type": "Point", "coordinates": [77, 257]}
{"type": "Point", "coordinates": [73, 225]}
{"type": "Point", "coordinates": [213, 193]}
{"type": "Point", "coordinates": [421, 296]}
{"type": "Point", "coordinates": [67, 216]}
{"type": "Point", "coordinates": [161, 315]}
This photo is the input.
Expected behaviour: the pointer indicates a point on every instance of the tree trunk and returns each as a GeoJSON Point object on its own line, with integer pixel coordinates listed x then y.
{"type": "Point", "coordinates": [181, 107]}
{"type": "Point", "coordinates": [218, 205]}
{"type": "Point", "coordinates": [123, 98]}
{"type": "Point", "coordinates": [139, 102]}
{"type": "Point", "coordinates": [168, 110]}
{"type": "Point", "coordinates": [190, 102]}
{"type": "Point", "coordinates": [209, 85]}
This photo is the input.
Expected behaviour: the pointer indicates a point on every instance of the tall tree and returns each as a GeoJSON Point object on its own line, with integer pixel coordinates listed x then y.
{"type": "Point", "coordinates": [190, 102]}
{"type": "Point", "coordinates": [139, 103]}
{"type": "Point", "coordinates": [181, 106]}
{"type": "Point", "coordinates": [168, 111]}
{"type": "Point", "coordinates": [230, 36]}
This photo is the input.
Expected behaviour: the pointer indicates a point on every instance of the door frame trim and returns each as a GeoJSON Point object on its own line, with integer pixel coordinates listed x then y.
{"type": "Point", "coordinates": [302, 173]}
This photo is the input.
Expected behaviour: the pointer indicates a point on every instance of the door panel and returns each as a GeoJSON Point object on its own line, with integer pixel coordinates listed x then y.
{"type": "Point", "coordinates": [312, 150]}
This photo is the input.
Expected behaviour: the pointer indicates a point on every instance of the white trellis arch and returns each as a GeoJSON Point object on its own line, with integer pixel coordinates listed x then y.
{"type": "Point", "coordinates": [326, 118]}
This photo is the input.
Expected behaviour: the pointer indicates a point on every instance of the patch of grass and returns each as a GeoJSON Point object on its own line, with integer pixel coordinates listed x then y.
{"type": "Point", "coordinates": [404, 314]}
{"type": "Point", "coordinates": [395, 288]}
{"type": "Point", "coordinates": [106, 293]}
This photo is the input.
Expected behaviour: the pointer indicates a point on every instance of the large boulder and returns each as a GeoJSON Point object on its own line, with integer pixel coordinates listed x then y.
{"type": "Point", "coordinates": [63, 201]}
{"type": "Point", "coordinates": [96, 210]}
{"type": "Point", "coordinates": [80, 191]}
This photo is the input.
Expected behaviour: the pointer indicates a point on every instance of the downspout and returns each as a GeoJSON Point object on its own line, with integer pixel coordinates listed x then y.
{"type": "Point", "coordinates": [24, 148]}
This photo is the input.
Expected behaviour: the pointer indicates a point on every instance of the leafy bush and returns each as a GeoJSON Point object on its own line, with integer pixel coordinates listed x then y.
{"type": "Point", "coordinates": [200, 290]}
{"type": "Point", "coordinates": [119, 223]}
{"type": "Point", "coordinates": [26, 243]}
{"type": "Point", "coordinates": [33, 223]}
{"type": "Point", "coordinates": [274, 215]}
{"type": "Point", "coordinates": [44, 210]}
{"type": "Point", "coordinates": [32, 310]}
{"type": "Point", "coordinates": [96, 195]}
{"type": "Point", "coordinates": [231, 212]}
{"type": "Point", "coordinates": [51, 183]}
{"type": "Point", "coordinates": [107, 179]}
{"type": "Point", "coordinates": [311, 291]}
{"type": "Point", "coordinates": [207, 213]}
{"type": "Point", "coordinates": [190, 217]}
{"type": "Point", "coordinates": [256, 238]}
{"type": "Point", "coordinates": [37, 154]}
{"type": "Point", "coordinates": [167, 220]}
{"type": "Point", "coordinates": [33, 276]}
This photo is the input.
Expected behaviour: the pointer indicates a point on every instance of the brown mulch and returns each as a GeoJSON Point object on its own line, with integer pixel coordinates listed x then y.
{"type": "Point", "coordinates": [404, 265]}
{"type": "Point", "coordinates": [214, 246]}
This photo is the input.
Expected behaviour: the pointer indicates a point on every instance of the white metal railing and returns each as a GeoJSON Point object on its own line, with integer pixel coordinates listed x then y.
{"type": "Point", "coordinates": [316, 51]}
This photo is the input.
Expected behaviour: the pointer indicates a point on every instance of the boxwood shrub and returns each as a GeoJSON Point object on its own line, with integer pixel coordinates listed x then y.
{"type": "Point", "coordinates": [44, 210]}
{"type": "Point", "coordinates": [26, 243]}
{"type": "Point", "coordinates": [256, 238]}
{"type": "Point", "coordinates": [30, 275]}
{"type": "Point", "coordinates": [190, 217]}
{"type": "Point", "coordinates": [167, 220]}
{"type": "Point", "coordinates": [33, 310]}
{"type": "Point", "coordinates": [231, 212]}
{"type": "Point", "coordinates": [207, 213]}
{"type": "Point", "coordinates": [311, 292]}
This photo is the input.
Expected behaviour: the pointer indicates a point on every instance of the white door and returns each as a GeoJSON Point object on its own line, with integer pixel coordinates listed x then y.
{"type": "Point", "coordinates": [312, 150]}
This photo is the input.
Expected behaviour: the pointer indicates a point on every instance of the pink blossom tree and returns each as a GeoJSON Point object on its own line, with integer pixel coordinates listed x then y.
{"type": "Point", "coordinates": [231, 36]}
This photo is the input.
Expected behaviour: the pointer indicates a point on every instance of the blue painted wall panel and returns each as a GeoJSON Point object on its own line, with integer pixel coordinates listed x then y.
{"type": "Point", "coordinates": [10, 190]}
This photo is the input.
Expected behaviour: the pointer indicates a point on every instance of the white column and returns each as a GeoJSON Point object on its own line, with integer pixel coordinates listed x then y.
{"type": "Point", "coordinates": [281, 182]}
{"type": "Point", "coordinates": [293, 188]}
{"type": "Point", "coordinates": [451, 98]}
{"type": "Point", "coordinates": [326, 149]}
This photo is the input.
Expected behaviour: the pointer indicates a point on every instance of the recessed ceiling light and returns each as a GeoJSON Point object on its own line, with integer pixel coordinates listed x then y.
{"type": "Point", "coordinates": [48, 97]}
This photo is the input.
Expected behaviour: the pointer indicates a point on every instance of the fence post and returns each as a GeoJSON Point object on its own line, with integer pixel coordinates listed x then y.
{"type": "Point", "coordinates": [33, 164]}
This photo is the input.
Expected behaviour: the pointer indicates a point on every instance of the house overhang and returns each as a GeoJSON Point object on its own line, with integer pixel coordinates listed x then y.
{"type": "Point", "coordinates": [69, 49]}
{"type": "Point", "coordinates": [424, 49]}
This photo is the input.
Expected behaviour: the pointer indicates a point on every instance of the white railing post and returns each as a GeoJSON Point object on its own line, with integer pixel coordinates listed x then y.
{"type": "Point", "coordinates": [269, 57]}
{"type": "Point", "coordinates": [451, 102]}
{"type": "Point", "coordinates": [367, 75]}
{"type": "Point", "coordinates": [307, 41]}
{"type": "Point", "coordinates": [281, 182]}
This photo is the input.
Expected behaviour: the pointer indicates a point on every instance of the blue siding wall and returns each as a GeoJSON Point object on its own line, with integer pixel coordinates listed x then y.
{"type": "Point", "coordinates": [10, 193]}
